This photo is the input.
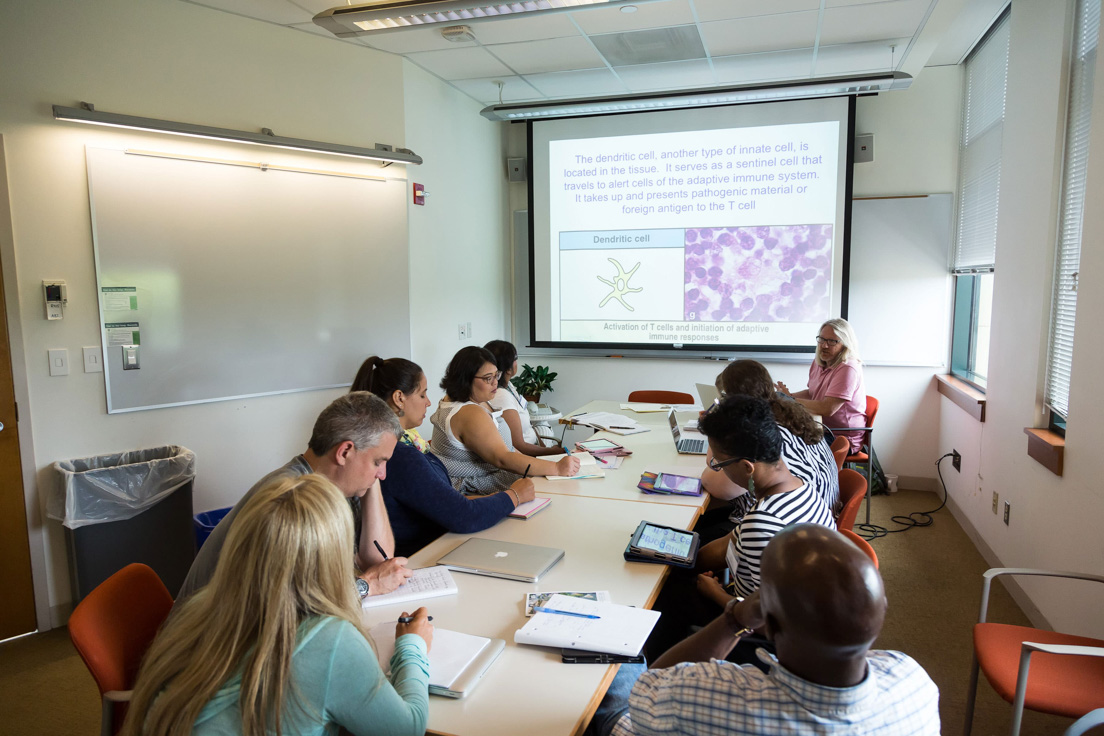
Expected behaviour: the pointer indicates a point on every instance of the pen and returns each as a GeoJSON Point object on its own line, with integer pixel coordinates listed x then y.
{"type": "Point", "coordinates": [613, 427]}
{"type": "Point", "coordinates": [542, 609]}
{"type": "Point", "coordinates": [380, 549]}
{"type": "Point", "coordinates": [527, 471]}
{"type": "Point", "coordinates": [410, 619]}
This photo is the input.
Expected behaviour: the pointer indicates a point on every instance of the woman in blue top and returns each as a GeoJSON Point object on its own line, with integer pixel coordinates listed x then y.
{"type": "Point", "coordinates": [274, 644]}
{"type": "Point", "coordinates": [421, 501]}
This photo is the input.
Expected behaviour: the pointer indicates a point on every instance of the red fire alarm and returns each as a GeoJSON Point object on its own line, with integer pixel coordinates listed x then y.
{"type": "Point", "coordinates": [419, 194]}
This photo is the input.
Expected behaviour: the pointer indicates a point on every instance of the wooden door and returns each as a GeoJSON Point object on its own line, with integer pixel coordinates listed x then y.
{"type": "Point", "coordinates": [17, 614]}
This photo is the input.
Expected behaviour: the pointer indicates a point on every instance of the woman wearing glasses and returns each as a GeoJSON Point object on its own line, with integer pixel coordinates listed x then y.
{"type": "Point", "coordinates": [473, 445]}
{"type": "Point", "coordinates": [513, 407]}
{"type": "Point", "coordinates": [836, 390]}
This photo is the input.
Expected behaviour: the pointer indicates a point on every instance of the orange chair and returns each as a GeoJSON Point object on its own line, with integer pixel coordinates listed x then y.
{"type": "Point", "coordinates": [863, 455]}
{"type": "Point", "coordinates": [839, 451]}
{"type": "Point", "coordinates": [1066, 672]}
{"type": "Point", "coordinates": [852, 492]}
{"type": "Point", "coordinates": [861, 544]}
{"type": "Point", "coordinates": [112, 628]}
{"type": "Point", "coordinates": [661, 397]}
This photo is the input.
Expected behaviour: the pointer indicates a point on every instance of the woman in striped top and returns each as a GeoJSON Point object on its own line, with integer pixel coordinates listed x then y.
{"type": "Point", "coordinates": [746, 443]}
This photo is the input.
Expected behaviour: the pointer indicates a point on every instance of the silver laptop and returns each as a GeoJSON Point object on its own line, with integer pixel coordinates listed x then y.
{"type": "Point", "coordinates": [708, 394]}
{"type": "Point", "coordinates": [686, 442]}
{"type": "Point", "coordinates": [508, 560]}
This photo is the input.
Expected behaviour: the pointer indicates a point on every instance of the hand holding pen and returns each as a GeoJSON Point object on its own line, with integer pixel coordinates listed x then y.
{"type": "Point", "coordinates": [416, 623]}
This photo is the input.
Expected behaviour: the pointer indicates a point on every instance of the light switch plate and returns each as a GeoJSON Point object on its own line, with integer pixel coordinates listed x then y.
{"type": "Point", "coordinates": [131, 361]}
{"type": "Point", "coordinates": [93, 360]}
{"type": "Point", "coordinates": [59, 362]}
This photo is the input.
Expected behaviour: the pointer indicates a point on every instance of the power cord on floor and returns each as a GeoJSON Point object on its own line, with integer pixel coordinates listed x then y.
{"type": "Point", "coordinates": [915, 519]}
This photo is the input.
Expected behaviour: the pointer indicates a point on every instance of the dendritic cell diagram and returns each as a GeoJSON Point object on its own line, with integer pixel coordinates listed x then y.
{"type": "Point", "coordinates": [620, 285]}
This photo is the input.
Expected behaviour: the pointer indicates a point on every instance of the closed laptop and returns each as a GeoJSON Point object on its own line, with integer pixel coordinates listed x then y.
{"type": "Point", "coordinates": [508, 560]}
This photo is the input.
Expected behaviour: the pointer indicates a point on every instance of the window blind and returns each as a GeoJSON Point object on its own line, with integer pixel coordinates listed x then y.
{"type": "Point", "coordinates": [980, 152]}
{"type": "Point", "coordinates": [1063, 310]}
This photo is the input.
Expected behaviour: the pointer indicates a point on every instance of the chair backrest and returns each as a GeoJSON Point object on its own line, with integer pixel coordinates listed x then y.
{"type": "Point", "coordinates": [861, 544]}
{"type": "Point", "coordinates": [114, 625]}
{"type": "Point", "coordinates": [871, 410]}
{"type": "Point", "coordinates": [840, 448]}
{"type": "Point", "coordinates": [661, 397]}
{"type": "Point", "coordinates": [852, 487]}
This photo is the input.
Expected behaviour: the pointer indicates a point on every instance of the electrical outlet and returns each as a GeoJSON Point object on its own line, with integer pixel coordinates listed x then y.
{"type": "Point", "coordinates": [995, 497]}
{"type": "Point", "coordinates": [1007, 512]}
{"type": "Point", "coordinates": [464, 330]}
{"type": "Point", "coordinates": [956, 460]}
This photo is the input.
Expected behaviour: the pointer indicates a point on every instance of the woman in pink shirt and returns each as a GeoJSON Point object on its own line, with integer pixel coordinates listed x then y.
{"type": "Point", "coordinates": [836, 391]}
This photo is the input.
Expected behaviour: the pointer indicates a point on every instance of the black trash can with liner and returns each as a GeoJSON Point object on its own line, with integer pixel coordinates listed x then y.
{"type": "Point", "coordinates": [126, 507]}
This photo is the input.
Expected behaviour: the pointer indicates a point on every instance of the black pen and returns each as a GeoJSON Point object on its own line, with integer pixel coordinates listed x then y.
{"type": "Point", "coordinates": [410, 619]}
{"type": "Point", "coordinates": [380, 549]}
{"type": "Point", "coordinates": [527, 471]}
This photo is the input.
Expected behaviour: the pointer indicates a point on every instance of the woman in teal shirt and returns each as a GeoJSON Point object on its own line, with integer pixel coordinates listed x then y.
{"type": "Point", "coordinates": [274, 644]}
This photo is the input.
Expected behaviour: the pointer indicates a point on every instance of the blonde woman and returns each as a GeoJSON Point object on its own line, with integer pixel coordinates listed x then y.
{"type": "Point", "coordinates": [836, 390]}
{"type": "Point", "coordinates": [274, 644]}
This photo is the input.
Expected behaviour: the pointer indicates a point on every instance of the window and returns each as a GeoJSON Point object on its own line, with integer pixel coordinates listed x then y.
{"type": "Point", "coordinates": [1071, 206]}
{"type": "Point", "coordinates": [978, 197]}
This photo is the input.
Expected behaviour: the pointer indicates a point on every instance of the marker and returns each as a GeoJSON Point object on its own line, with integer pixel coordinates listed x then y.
{"type": "Point", "coordinates": [527, 471]}
{"type": "Point", "coordinates": [542, 609]}
{"type": "Point", "coordinates": [380, 549]}
{"type": "Point", "coordinates": [410, 619]}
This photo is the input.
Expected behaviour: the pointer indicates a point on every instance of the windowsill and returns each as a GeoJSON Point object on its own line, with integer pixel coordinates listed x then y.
{"type": "Point", "coordinates": [1046, 448]}
{"type": "Point", "coordinates": [968, 398]}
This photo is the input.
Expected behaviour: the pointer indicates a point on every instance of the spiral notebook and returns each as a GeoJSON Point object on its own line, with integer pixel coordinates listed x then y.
{"type": "Point", "coordinates": [614, 629]}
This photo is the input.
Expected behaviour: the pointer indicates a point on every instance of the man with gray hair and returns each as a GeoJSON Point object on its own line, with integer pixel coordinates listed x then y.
{"type": "Point", "coordinates": [352, 441]}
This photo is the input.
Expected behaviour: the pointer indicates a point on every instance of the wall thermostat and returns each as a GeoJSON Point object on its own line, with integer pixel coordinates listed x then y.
{"type": "Point", "coordinates": [56, 296]}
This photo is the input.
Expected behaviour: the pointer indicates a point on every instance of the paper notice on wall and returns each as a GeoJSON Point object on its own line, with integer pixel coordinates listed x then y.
{"type": "Point", "coordinates": [122, 333]}
{"type": "Point", "coordinates": [120, 298]}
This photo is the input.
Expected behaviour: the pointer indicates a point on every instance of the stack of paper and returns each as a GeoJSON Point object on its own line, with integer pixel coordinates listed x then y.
{"type": "Point", "coordinates": [608, 422]}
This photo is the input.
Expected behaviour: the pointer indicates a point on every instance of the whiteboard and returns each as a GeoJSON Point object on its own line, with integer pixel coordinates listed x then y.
{"type": "Point", "coordinates": [244, 281]}
{"type": "Point", "coordinates": [900, 287]}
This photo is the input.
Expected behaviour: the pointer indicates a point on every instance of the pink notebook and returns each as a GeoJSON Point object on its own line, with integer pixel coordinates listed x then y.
{"type": "Point", "coordinates": [525, 510]}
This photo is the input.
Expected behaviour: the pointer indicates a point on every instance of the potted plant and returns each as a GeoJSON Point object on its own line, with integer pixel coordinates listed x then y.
{"type": "Point", "coordinates": [531, 382]}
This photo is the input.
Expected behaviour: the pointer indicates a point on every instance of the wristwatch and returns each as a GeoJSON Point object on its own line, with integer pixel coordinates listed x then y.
{"type": "Point", "coordinates": [362, 588]}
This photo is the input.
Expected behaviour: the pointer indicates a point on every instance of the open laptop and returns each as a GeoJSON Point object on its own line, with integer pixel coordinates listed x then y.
{"type": "Point", "coordinates": [687, 442]}
{"type": "Point", "coordinates": [708, 394]}
{"type": "Point", "coordinates": [508, 560]}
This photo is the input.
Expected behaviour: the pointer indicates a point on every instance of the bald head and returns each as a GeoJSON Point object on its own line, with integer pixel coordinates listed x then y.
{"type": "Point", "coordinates": [821, 594]}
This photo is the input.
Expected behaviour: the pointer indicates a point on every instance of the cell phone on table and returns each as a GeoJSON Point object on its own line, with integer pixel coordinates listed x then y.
{"type": "Point", "coordinates": [599, 446]}
{"type": "Point", "coordinates": [664, 543]}
{"type": "Point", "coordinates": [582, 656]}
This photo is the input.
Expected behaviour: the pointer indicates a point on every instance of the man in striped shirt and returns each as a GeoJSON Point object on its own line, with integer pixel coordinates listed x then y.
{"type": "Point", "coordinates": [822, 603]}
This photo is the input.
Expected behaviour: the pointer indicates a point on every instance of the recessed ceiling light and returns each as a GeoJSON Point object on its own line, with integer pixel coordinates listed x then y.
{"type": "Point", "coordinates": [628, 8]}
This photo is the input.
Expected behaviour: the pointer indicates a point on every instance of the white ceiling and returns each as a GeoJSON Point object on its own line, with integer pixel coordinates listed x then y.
{"type": "Point", "coordinates": [723, 42]}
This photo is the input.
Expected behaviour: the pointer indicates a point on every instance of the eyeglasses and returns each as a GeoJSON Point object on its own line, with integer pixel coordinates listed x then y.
{"type": "Point", "coordinates": [491, 378]}
{"type": "Point", "coordinates": [714, 465]}
{"type": "Point", "coordinates": [826, 341]}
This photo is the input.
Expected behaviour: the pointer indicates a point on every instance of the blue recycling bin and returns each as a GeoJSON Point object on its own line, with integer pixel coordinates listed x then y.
{"type": "Point", "coordinates": [206, 522]}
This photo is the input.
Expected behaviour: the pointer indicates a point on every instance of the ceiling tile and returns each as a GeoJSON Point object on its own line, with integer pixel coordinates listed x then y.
{"type": "Point", "coordinates": [281, 12]}
{"type": "Point", "coordinates": [553, 55]}
{"type": "Point", "coordinates": [651, 46]}
{"type": "Point", "coordinates": [585, 83]}
{"type": "Point", "coordinates": [314, 7]}
{"type": "Point", "coordinates": [872, 22]}
{"type": "Point", "coordinates": [552, 25]}
{"type": "Point", "coordinates": [855, 58]}
{"type": "Point", "coordinates": [844, 3]}
{"type": "Point", "coordinates": [647, 15]}
{"type": "Point", "coordinates": [770, 66]}
{"type": "Point", "coordinates": [318, 30]}
{"type": "Point", "coordinates": [671, 75]}
{"type": "Point", "coordinates": [709, 10]}
{"type": "Point", "coordinates": [459, 63]}
{"type": "Point", "coordinates": [514, 89]}
{"type": "Point", "coordinates": [763, 33]}
{"type": "Point", "coordinates": [412, 41]}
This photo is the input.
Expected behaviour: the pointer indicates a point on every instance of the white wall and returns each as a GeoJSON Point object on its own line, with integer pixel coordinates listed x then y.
{"type": "Point", "coordinates": [1055, 521]}
{"type": "Point", "coordinates": [176, 61]}
{"type": "Point", "coordinates": [916, 152]}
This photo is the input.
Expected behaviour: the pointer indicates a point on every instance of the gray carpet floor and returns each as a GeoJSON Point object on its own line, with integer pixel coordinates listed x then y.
{"type": "Point", "coordinates": [933, 582]}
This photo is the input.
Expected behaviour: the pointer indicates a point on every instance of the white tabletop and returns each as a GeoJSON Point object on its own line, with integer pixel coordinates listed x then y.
{"type": "Point", "coordinates": [528, 690]}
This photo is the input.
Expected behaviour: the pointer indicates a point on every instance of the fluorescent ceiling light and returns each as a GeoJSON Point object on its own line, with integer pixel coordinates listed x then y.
{"type": "Point", "coordinates": [707, 97]}
{"type": "Point", "coordinates": [88, 114]}
{"type": "Point", "coordinates": [385, 16]}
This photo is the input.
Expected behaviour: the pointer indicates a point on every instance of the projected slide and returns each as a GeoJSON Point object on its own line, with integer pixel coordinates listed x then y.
{"type": "Point", "coordinates": [715, 236]}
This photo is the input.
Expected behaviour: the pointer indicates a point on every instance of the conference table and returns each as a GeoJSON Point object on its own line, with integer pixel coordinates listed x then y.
{"type": "Point", "coordinates": [528, 690]}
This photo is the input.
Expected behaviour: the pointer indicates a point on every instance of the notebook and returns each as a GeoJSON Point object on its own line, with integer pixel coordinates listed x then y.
{"type": "Point", "coordinates": [686, 442]}
{"type": "Point", "coordinates": [617, 630]}
{"type": "Point", "coordinates": [508, 560]}
{"type": "Point", "coordinates": [427, 582]}
{"type": "Point", "coordinates": [456, 661]}
{"type": "Point", "coordinates": [588, 467]}
{"type": "Point", "coordinates": [527, 509]}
